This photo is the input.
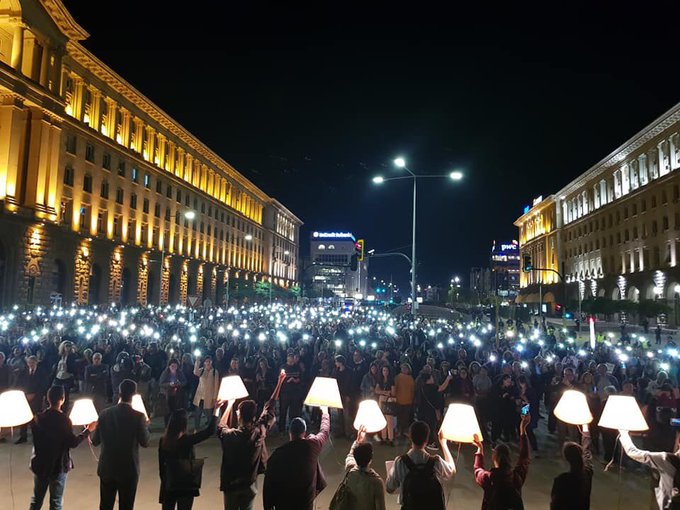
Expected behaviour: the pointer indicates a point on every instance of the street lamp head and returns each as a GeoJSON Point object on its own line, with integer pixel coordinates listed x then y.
{"type": "Point", "coordinates": [456, 175]}
{"type": "Point", "coordinates": [190, 215]}
{"type": "Point", "coordinates": [248, 237]}
{"type": "Point", "coordinates": [286, 252]}
{"type": "Point", "coordinates": [400, 162]}
{"type": "Point", "coordinates": [378, 179]}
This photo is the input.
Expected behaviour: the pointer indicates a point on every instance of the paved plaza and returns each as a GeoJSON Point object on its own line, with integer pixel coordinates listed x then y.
{"type": "Point", "coordinates": [82, 490]}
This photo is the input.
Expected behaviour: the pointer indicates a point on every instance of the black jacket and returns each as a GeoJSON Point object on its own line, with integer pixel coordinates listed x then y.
{"type": "Point", "coordinates": [52, 438]}
{"type": "Point", "coordinates": [121, 431]}
{"type": "Point", "coordinates": [184, 449]}
{"type": "Point", "coordinates": [244, 453]}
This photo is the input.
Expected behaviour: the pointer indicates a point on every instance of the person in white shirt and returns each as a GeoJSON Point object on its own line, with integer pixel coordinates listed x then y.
{"type": "Point", "coordinates": [444, 468]}
{"type": "Point", "coordinates": [665, 463]}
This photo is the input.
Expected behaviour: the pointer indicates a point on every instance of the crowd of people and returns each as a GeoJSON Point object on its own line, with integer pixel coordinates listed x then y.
{"type": "Point", "coordinates": [175, 358]}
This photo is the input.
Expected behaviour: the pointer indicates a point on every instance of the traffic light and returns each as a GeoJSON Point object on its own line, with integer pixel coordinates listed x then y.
{"type": "Point", "coordinates": [359, 249]}
{"type": "Point", "coordinates": [354, 262]}
{"type": "Point", "coordinates": [527, 266]}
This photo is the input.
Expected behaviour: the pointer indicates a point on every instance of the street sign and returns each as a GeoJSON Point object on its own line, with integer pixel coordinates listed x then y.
{"type": "Point", "coordinates": [193, 300]}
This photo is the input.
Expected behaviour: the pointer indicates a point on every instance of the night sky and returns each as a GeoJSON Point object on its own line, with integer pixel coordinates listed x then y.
{"type": "Point", "coordinates": [310, 102]}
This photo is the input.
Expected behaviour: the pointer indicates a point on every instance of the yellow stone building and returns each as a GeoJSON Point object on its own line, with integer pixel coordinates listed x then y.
{"type": "Point", "coordinates": [614, 231]}
{"type": "Point", "coordinates": [106, 198]}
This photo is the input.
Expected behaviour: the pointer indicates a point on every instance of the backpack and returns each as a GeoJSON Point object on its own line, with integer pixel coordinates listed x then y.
{"type": "Point", "coordinates": [503, 495]}
{"type": "Point", "coordinates": [421, 489]}
{"type": "Point", "coordinates": [675, 497]}
{"type": "Point", "coordinates": [343, 499]}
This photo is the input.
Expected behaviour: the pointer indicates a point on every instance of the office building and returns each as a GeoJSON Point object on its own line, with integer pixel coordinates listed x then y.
{"type": "Point", "coordinates": [505, 269]}
{"type": "Point", "coordinates": [330, 269]}
{"type": "Point", "coordinates": [107, 199]}
{"type": "Point", "coordinates": [614, 231]}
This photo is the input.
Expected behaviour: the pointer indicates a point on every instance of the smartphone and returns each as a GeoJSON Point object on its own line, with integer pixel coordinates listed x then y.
{"type": "Point", "coordinates": [675, 422]}
{"type": "Point", "coordinates": [525, 410]}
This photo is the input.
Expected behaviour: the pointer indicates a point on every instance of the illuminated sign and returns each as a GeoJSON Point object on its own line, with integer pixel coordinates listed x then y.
{"type": "Point", "coordinates": [510, 247]}
{"type": "Point", "coordinates": [538, 199]}
{"type": "Point", "coordinates": [333, 235]}
{"type": "Point", "coordinates": [527, 208]}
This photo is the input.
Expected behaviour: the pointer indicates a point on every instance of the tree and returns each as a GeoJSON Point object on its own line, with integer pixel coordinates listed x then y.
{"type": "Point", "coordinates": [295, 291]}
{"type": "Point", "coordinates": [262, 288]}
{"type": "Point", "coordinates": [652, 308]}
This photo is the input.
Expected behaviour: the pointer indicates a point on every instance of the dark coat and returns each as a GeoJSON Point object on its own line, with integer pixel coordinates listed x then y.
{"type": "Point", "coordinates": [244, 453]}
{"type": "Point", "coordinates": [52, 438]}
{"type": "Point", "coordinates": [294, 478]}
{"type": "Point", "coordinates": [121, 431]}
{"type": "Point", "coordinates": [184, 449]}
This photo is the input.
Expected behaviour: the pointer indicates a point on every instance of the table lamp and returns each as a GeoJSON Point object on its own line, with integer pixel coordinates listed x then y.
{"type": "Point", "coordinates": [14, 409]}
{"type": "Point", "coordinates": [83, 412]}
{"type": "Point", "coordinates": [622, 412]}
{"type": "Point", "coordinates": [232, 388]}
{"type": "Point", "coordinates": [370, 416]}
{"type": "Point", "coordinates": [138, 404]}
{"type": "Point", "coordinates": [573, 408]}
{"type": "Point", "coordinates": [460, 424]}
{"type": "Point", "coordinates": [324, 392]}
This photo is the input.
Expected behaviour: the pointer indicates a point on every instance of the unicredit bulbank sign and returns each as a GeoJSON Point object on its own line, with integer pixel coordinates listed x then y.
{"type": "Point", "coordinates": [333, 235]}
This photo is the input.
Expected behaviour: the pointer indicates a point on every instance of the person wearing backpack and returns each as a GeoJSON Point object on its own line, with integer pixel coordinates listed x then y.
{"type": "Point", "coordinates": [419, 474]}
{"type": "Point", "coordinates": [665, 465]}
{"type": "Point", "coordinates": [362, 488]}
{"type": "Point", "coordinates": [502, 483]}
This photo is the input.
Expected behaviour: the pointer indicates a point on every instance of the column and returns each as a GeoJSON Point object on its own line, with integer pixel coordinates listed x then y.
{"type": "Point", "coordinates": [18, 47]}
{"type": "Point", "coordinates": [12, 140]}
{"type": "Point", "coordinates": [95, 108]}
{"type": "Point", "coordinates": [44, 65]}
{"type": "Point", "coordinates": [663, 164]}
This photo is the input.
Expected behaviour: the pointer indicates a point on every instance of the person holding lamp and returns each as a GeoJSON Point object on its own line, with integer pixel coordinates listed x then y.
{"type": "Point", "coordinates": [571, 490]}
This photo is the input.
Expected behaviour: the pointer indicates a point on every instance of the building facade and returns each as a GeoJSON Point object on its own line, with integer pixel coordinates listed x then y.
{"type": "Point", "coordinates": [505, 269]}
{"type": "Point", "coordinates": [616, 228]}
{"type": "Point", "coordinates": [331, 274]}
{"type": "Point", "coordinates": [105, 198]}
{"type": "Point", "coordinates": [480, 282]}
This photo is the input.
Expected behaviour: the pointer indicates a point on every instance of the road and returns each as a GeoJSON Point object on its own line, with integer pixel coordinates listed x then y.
{"type": "Point", "coordinates": [82, 490]}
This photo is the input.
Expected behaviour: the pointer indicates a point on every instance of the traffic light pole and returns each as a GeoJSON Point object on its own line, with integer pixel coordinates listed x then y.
{"type": "Point", "coordinates": [564, 286]}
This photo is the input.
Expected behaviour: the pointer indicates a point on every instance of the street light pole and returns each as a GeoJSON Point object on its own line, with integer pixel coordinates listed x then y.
{"type": "Point", "coordinates": [401, 163]}
{"type": "Point", "coordinates": [414, 298]}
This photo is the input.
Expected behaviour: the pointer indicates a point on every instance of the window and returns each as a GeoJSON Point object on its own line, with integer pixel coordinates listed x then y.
{"type": "Point", "coordinates": [134, 175]}
{"type": "Point", "coordinates": [643, 205]}
{"type": "Point", "coordinates": [89, 152]}
{"type": "Point", "coordinates": [655, 228]}
{"type": "Point", "coordinates": [626, 235]}
{"type": "Point", "coordinates": [618, 237]}
{"type": "Point", "coordinates": [179, 196]}
{"type": "Point", "coordinates": [159, 186]}
{"type": "Point", "coordinates": [676, 193]}
{"type": "Point", "coordinates": [120, 195]}
{"type": "Point", "coordinates": [157, 210]}
{"type": "Point", "coordinates": [625, 213]}
{"type": "Point", "coordinates": [145, 205]}
{"type": "Point", "coordinates": [71, 144]}
{"type": "Point", "coordinates": [121, 168]}
{"type": "Point", "coordinates": [634, 209]}
{"type": "Point", "coordinates": [177, 215]}
{"type": "Point", "coordinates": [105, 189]}
{"type": "Point", "coordinates": [87, 183]}
{"type": "Point", "coordinates": [167, 214]}
{"type": "Point", "coordinates": [106, 161]}
{"type": "Point", "coordinates": [664, 197]}
{"type": "Point", "coordinates": [168, 191]}
{"type": "Point", "coordinates": [133, 201]}
{"type": "Point", "coordinates": [653, 201]}
{"type": "Point", "coordinates": [665, 223]}
{"type": "Point", "coordinates": [147, 180]}
{"type": "Point", "coordinates": [68, 175]}
{"type": "Point", "coordinates": [635, 233]}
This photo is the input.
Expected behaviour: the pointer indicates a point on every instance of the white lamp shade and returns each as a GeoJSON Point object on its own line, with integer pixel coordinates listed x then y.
{"type": "Point", "coordinates": [622, 413]}
{"type": "Point", "coordinates": [83, 412]}
{"type": "Point", "coordinates": [370, 416]}
{"type": "Point", "coordinates": [14, 409]}
{"type": "Point", "coordinates": [138, 404]}
{"type": "Point", "coordinates": [232, 388]}
{"type": "Point", "coordinates": [324, 392]}
{"type": "Point", "coordinates": [460, 424]}
{"type": "Point", "coordinates": [573, 408]}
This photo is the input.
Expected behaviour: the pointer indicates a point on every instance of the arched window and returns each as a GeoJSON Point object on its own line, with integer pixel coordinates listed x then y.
{"type": "Point", "coordinates": [331, 247]}
{"type": "Point", "coordinates": [322, 247]}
